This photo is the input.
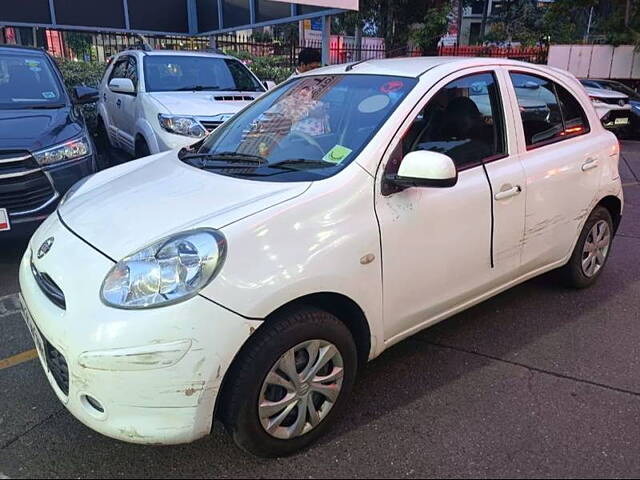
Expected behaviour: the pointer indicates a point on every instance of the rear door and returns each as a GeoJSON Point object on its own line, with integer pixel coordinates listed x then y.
{"type": "Point", "coordinates": [561, 158]}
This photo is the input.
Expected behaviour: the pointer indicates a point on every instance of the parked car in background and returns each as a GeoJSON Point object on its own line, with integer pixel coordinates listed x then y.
{"type": "Point", "coordinates": [249, 278]}
{"type": "Point", "coordinates": [613, 108]}
{"type": "Point", "coordinates": [634, 98]}
{"type": "Point", "coordinates": [44, 144]}
{"type": "Point", "coordinates": [157, 100]}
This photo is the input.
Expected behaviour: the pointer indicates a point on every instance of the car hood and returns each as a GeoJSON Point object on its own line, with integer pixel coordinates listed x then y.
{"type": "Point", "coordinates": [122, 209]}
{"type": "Point", "coordinates": [37, 129]}
{"type": "Point", "coordinates": [601, 92]}
{"type": "Point", "coordinates": [203, 103]}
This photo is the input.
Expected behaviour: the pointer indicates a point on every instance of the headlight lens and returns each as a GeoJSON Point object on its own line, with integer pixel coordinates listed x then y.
{"type": "Point", "coordinates": [597, 100]}
{"type": "Point", "coordinates": [187, 126]}
{"type": "Point", "coordinates": [71, 150]}
{"type": "Point", "coordinates": [169, 271]}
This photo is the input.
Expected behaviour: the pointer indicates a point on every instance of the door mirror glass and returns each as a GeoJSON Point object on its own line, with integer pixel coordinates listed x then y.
{"type": "Point", "coordinates": [424, 168]}
{"type": "Point", "coordinates": [82, 95]}
{"type": "Point", "coordinates": [122, 85]}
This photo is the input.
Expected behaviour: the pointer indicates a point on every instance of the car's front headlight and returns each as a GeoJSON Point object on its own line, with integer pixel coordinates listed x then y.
{"type": "Point", "coordinates": [168, 271]}
{"type": "Point", "coordinates": [597, 101]}
{"type": "Point", "coordinates": [187, 126]}
{"type": "Point", "coordinates": [70, 150]}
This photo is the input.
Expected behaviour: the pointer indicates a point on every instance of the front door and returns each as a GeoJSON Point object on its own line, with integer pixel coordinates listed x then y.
{"type": "Point", "coordinates": [437, 249]}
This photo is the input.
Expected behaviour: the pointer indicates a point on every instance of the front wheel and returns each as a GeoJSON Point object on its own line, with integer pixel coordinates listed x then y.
{"type": "Point", "coordinates": [289, 382]}
{"type": "Point", "coordinates": [592, 251]}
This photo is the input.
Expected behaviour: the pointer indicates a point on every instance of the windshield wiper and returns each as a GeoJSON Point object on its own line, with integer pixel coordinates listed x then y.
{"type": "Point", "coordinates": [303, 161]}
{"type": "Point", "coordinates": [224, 158]}
{"type": "Point", "coordinates": [197, 88]}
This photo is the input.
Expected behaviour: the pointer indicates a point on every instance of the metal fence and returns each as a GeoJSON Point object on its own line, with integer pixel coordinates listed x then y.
{"type": "Point", "coordinates": [86, 46]}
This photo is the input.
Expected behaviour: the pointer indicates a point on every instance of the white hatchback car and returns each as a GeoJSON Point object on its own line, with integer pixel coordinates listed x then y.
{"type": "Point", "coordinates": [248, 278]}
{"type": "Point", "coordinates": [153, 101]}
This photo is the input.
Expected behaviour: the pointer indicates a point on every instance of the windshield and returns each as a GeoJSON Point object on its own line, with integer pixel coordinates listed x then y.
{"type": "Point", "coordinates": [174, 73]}
{"type": "Point", "coordinates": [27, 80]}
{"type": "Point", "coordinates": [619, 87]}
{"type": "Point", "coordinates": [308, 129]}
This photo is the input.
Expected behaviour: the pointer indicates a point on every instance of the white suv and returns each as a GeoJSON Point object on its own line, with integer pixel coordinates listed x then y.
{"type": "Point", "coordinates": [152, 101]}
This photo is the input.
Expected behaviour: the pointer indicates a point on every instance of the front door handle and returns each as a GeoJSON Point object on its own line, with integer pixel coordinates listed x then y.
{"type": "Point", "coordinates": [118, 103]}
{"type": "Point", "coordinates": [507, 192]}
{"type": "Point", "coordinates": [590, 164]}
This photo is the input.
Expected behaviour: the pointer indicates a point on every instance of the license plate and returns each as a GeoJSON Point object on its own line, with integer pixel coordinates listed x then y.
{"type": "Point", "coordinates": [4, 220]}
{"type": "Point", "coordinates": [621, 121]}
{"type": "Point", "coordinates": [33, 329]}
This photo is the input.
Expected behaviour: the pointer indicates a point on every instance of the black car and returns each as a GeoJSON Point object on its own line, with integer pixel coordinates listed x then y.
{"type": "Point", "coordinates": [44, 144]}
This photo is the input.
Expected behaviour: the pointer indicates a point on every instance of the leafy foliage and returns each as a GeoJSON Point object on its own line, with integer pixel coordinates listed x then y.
{"type": "Point", "coordinates": [83, 73]}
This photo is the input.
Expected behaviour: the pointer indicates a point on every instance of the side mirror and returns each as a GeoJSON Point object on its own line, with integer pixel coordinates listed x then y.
{"type": "Point", "coordinates": [122, 85]}
{"type": "Point", "coordinates": [423, 168]}
{"type": "Point", "coordinates": [269, 84]}
{"type": "Point", "coordinates": [82, 95]}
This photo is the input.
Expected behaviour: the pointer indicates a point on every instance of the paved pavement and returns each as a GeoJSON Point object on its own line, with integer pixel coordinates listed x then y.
{"type": "Point", "coordinates": [538, 382]}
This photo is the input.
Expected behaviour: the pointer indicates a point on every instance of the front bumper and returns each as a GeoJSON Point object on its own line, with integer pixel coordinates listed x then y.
{"type": "Point", "coordinates": [61, 177]}
{"type": "Point", "coordinates": [155, 373]}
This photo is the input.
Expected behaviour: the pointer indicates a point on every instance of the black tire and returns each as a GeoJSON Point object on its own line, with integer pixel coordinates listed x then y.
{"type": "Point", "coordinates": [573, 273]}
{"type": "Point", "coordinates": [103, 146]}
{"type": "Point", "coordinates": [142, 149]}
{"type": "Point", "coordinates": [239, 403]}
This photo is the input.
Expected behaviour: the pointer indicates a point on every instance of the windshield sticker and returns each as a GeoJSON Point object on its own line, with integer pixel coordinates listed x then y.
{"type": "Point", "coordinates": [337, 154]}
{"type": "Point", "coordinates": [392, 86]}
{"type": "Point", "coordinates": [374, 103]}
{"type": "Point", "coordinates": [48, 95]}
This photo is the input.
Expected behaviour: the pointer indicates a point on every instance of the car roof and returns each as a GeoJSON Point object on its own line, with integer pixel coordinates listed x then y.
{"type": "Point", "coordinates": [22, 48]}
{"type": "Point", "coordinates": [181, 53]}
{"type": "Point", "coordinates": [416, 66]}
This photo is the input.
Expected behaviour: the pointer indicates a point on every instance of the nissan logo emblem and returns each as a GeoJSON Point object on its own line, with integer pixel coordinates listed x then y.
{"type": "Point", "coordinates": [45, 247]}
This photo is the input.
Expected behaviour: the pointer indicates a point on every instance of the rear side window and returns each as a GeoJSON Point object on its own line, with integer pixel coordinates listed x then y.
{"type": "Point", "coordinates": [549, 112]}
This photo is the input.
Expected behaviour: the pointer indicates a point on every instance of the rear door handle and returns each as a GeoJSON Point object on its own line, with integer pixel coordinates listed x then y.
{"type": "Point", "coordinates": [118, 103]}
{"type": "Point", "coordinates": [589, 164]}
{"type": "Point", "coordinates": [508, 192]}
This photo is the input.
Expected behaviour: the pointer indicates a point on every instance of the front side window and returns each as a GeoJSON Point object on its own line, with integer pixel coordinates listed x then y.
{"type": "Point", "coordinates": [28, 81]}
{"type": "Point", "coordinates": [173, 73]}
{"type": "Point", "coordinates": [119, 69]}
{"type": "Point", "coordinates": [549, 112]}
{"type": "Point", "coordinates": [308, 129]}
{"type": "Point", "coordinates": [463, 120]}
{"type": "Point", "coordinates": [132, 71]}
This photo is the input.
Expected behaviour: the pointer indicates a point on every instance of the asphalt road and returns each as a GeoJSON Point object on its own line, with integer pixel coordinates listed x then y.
{"type": "Point", "coordinates": [538, 382]}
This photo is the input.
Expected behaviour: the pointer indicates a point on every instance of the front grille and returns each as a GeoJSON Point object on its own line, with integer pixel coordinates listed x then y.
{"type": "Point", "coordinates": [57, 366]}
{"type": "Point", "coordinates": [23, 185]}
{"type": "Point", "coordinates": [234, 98]}
{"type": "Point", "coordinates": [615, 101]}
{"type": "Point", "coordinates": [51, 290]}
{"type": "Point", "coordinates": [210, 125]}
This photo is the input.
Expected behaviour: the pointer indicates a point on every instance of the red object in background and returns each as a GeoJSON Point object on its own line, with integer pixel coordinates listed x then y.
{"type": "Point", "coordinates": [54, 42]}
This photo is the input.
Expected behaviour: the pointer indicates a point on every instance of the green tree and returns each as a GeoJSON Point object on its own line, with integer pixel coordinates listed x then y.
{"type": "Point", "coordinates": [517, 21]}
{"type": "Point", "coordinates": [434, 25]}
{"type": "Point", "coordinates": [79, 43]}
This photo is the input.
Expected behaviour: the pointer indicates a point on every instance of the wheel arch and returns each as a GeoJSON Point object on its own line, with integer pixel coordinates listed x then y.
{"type": "Point", "coordinates": [341, 306]}
{"type": "Point", "coordinates": [614, 205]}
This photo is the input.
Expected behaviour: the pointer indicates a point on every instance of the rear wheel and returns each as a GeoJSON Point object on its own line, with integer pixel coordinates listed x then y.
{"type": "Point", "coordinates": [592, 250]}
{"type": "Point", "coordinates": [289, 383]}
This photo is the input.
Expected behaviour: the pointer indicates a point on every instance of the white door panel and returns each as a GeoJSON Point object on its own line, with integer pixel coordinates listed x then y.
{"type": "Point", "coordinates": [435, 249]}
